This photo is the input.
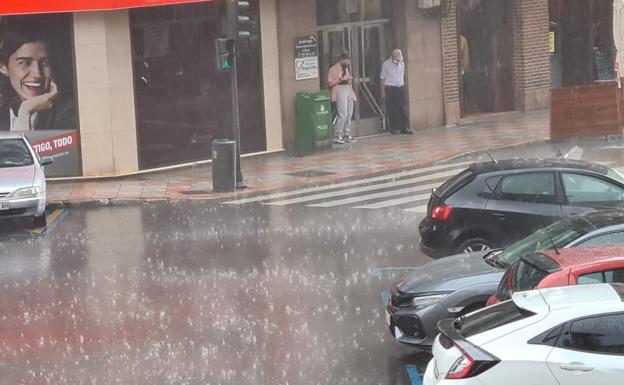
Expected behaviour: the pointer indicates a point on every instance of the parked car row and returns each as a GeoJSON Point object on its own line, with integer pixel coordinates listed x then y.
{"type": "Point", "coordinates": [537, 284]}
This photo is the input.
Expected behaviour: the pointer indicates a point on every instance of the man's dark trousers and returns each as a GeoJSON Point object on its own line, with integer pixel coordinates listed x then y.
{"type": "Point", "coordinates": [395, 108]}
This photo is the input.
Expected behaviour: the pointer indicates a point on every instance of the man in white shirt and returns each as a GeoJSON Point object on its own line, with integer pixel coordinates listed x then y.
{"type": "Point", "coordinates": [393, 91]}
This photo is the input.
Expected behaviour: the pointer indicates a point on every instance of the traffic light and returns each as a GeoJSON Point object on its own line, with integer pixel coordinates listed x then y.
{"type": "Point", "coordinates": [238, 19]}
{"type": "Point", "coordinates": [225, 53]}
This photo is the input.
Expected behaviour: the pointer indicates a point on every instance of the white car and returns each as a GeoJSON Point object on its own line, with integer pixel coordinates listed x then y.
{"type": "Point", "coordinates": [562, 336]}
{"type": "Point", "coordinates": [22, 180]}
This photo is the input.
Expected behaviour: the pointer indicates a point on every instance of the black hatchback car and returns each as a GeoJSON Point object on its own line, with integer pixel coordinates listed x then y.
{"type": "Point", "coordinates": [491, 205]}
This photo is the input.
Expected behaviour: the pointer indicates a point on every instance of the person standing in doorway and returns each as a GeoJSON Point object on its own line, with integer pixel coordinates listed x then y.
{"type": "Point", "coordinates": [341, 83]}
{"type": "Point", "coordinates": [393, 92]}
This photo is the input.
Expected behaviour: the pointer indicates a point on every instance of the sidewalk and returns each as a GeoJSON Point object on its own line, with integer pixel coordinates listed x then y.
{"type": "Point", "coordinates": [278, 171]}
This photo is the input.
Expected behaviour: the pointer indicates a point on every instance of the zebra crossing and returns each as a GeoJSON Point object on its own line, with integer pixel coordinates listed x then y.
{"type": "Point", "coordinates": [409, 190]}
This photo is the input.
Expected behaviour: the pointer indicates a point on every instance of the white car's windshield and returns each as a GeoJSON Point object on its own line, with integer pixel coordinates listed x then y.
{"type": "Point", "coordinates": [14, 153]}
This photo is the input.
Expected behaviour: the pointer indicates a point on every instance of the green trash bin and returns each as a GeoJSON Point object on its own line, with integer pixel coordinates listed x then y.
{"type": "Point", "coordinates": [313, 122]}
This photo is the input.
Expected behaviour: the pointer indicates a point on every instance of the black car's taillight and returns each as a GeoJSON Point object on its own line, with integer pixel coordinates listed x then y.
{"type": "Point", "coordinates": [442, 212]}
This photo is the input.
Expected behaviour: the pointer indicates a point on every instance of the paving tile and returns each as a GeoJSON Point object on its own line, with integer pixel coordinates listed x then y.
{"type": "Point", "coordinates": [378, 154]}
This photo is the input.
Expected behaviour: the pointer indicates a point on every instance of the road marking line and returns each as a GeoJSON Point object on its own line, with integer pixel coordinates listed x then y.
{"type": "Point", "coordinates": [56, 221]}
{"type": "Point", "coordinates": [440, 177]}
{"type": "Point", "coordinates": [336, 186]}
{"type": "Point", "coordinates": [414, 376]}
{"type": "Point", "coordinates": [54, 215]}
{"type": "Point", "coordinates": [368, 197]}
{"type": "Point", "coordinates": [417, 210]}
{"type": "Point", "coordinates": [385, 298]}
{"type": "Point", "coordinates": [395, 202]}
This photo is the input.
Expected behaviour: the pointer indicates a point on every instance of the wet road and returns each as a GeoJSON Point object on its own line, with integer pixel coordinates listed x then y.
{"type": "Point", "coordinates": [204, 293]}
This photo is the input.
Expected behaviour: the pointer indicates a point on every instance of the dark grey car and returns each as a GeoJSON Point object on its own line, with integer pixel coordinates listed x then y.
{"type": "Point", "coordinates": [460, 284]}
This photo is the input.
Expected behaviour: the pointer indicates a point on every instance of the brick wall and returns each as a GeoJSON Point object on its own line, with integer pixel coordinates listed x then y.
{"type": "Point", "coordinates": [531, 57]}
{"type": "Point", "coordinates": [450, 60]}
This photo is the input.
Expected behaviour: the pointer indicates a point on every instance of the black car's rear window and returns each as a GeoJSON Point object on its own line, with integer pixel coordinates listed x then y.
{"type": "Point", "coordinates": [453, 185]}
{"type": "Point", "coordinates": [491, 318]}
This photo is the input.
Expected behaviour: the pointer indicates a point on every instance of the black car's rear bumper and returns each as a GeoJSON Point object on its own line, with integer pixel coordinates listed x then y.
{"type": "Point", "coordinates": [436, 240]}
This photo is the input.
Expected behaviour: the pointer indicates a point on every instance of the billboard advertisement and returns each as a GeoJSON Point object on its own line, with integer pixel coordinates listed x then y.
{"type": "Point", "coordinates": [37, 87]}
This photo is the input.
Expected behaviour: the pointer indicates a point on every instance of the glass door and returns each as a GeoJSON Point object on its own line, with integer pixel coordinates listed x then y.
{"type": "Point", "coordinates": [368, 46]}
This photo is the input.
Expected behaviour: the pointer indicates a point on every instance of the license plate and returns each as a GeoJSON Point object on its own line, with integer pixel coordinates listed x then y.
{"type": "Point", "coordinates": [387, 318]}
{"type": "Point", "coordinates": [4, 205]}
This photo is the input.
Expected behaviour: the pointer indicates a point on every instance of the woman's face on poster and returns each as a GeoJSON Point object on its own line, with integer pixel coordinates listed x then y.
{"type": "Point", "coordinates": [29, 70]}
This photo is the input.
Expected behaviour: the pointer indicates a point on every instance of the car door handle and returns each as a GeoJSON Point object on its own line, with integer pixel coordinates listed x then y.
{"type": "Point", "coordinates": [500, 217]}
{"type": "Point", "coordinates": [576, 367]}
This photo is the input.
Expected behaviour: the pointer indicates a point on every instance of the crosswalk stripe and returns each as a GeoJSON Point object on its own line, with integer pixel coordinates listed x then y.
{"type": "Point", "coordinates": [317, 189]}
{"type": "Point", "coordinates": [417, 210]}
{"type": "Point", "coordinates": [395, 202]}
{"type": "Point", "coordinates": [333, 194]}
{"type": "Point", "coordinates": [368, 197]}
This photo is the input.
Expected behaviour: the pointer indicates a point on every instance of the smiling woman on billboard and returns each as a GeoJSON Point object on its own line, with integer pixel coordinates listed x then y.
{"type": "Point", "coordinates": [30, 96]}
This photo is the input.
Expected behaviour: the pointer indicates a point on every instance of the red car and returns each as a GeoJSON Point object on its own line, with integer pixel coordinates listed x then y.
{"type": "Point", "coordinates": [568, 267]}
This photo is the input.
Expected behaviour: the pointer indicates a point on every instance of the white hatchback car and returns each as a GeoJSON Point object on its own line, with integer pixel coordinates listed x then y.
{"type": "Point", "coordinates": [571, 335]}
{"type": "Point", "coordinates": [22, 180]}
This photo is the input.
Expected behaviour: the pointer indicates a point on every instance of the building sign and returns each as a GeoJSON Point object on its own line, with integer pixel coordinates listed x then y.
{"type": "Point", "coordinates": [551, 42]}
{"type": "Point", "coordinates": [37, 87]}
{"type": "Point", "coordinates": [21, 7]}
{"type": "Point", "coordinates": [306, 58]}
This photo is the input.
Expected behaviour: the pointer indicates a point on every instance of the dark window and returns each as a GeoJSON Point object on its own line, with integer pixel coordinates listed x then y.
{"type": "Point", "coordinates": [610, 276]}
{"type": "Point", "coordinates": [183, 101]}
{"type": "Point", "coordinates": [534, 188]}
{"type": "Point", "coordinates": [491, 318]}
{"type": "Point", "coordinates": [548, 338]}
{"type": "Point", "coordinates": [14, 153]}
{"type": "Point", "coordinates": [493, 182]}
{"type": "Point", "coordinates": [587, 189]}
{"type": "Point", "coordinates": [605, 239]}
{"type": "Point", "coordinates": [604, 334]}
{"type": "Point", "coordinates": [345, 11]}
{"type": "Point", "coordinates": [454, 184]}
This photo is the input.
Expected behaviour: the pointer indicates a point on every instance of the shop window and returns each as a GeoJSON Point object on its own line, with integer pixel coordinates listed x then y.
{"type": "Point", "coordinates": [36, 59]}
{"type": "Point", "coordinates": [347, 11]}
{"type": "Point", "coordinates": [183, 101]}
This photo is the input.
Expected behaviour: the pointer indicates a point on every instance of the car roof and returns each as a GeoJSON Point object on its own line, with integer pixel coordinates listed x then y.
{"type": "Point", "coordinates": [573, 257]}
{"type": "Point", "coordinates": [11, 135]}
{"type": "Point", "coordinates": [545, 300]}
{"type": "Point", "coordinates": [520, 164]}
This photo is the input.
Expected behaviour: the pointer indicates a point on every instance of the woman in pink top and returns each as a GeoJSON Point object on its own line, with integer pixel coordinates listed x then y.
{"type": "Point", "coordinates": [340, 81]}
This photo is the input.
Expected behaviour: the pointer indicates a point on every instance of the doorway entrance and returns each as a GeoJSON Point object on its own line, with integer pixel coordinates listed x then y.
{"type": "Point", "coordinates": [367, 44]}
{"type": "Point", "coordinates": [485, 27]}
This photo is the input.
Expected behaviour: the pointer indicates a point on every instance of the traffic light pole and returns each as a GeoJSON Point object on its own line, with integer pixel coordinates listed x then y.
{"type": "Point", "coordinates": [240, 183]}
{"type": "Point", "coordinates": [233, 33]}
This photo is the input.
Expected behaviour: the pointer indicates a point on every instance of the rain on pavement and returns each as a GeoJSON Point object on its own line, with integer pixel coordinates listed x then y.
{"type": "Point", "coordinates": [205, 293]}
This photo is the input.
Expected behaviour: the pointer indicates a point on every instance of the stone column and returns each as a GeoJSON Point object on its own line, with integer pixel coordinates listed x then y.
{"type": "Point", "coordinates": [105, 88]}
{"type": "Point", "coordinates": [295, 18]}
{"type": "Point", "coordinates": [271, 75]}
{"type": "Point", "coordinates": [531, 57]}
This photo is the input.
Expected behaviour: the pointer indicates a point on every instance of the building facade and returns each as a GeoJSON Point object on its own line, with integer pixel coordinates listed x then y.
{"type": "Point", "coordinates": [138, 88]}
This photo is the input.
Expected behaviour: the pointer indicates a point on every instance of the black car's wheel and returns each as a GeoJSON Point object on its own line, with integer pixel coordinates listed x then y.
{"type": "Point", "coordinates": [40, 221]}
{"type": "Point", "coordinates": [474, 245]}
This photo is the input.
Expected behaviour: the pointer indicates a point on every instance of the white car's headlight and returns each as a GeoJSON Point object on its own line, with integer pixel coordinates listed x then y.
{"type": "Point", "coordinates": [26, 192]}
{"type": "Point", "coordinates": [428, 300]}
